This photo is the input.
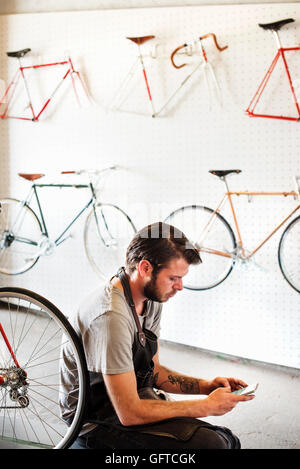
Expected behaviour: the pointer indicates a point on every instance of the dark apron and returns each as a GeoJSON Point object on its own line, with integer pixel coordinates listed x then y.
{"type": "Point", "coordinates": [144, 346]}
{"type": "Point", "coordinates": [144, 349]}
{"type": "Point", "coordinates": [99, 408]}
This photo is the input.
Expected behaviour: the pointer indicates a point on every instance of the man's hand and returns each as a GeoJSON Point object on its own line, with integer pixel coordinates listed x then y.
{"type": "Point", "coordinates": [233, 383]}
{"type": "Point", "coordinates": [222, 400]}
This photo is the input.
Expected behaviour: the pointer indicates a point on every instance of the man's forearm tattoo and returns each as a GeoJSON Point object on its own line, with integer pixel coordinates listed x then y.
{"type": "Point", "coordinates": [185, 384]}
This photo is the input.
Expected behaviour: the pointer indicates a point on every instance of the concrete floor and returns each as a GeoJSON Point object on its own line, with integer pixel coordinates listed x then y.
{"type": "Point", "coordinates": [271, 420]}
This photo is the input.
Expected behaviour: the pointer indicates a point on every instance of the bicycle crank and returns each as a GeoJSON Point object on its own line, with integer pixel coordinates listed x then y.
{"type": "Point", "coordinates": [6, 240]}
{"type": "Point", "coordinates": [243, 261]}
{"type": "Point", "coordinates": [46, 248]}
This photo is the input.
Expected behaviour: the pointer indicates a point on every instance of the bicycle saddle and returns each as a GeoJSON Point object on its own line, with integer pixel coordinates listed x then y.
{"type": "Point", "coordinates": [141, 39]}
{"type": "Point", "coordinates": [221, 173]}
{"type": "Point", "coordinates": [19, 53]}
{"type": "Point", "coordinates": [31, 177]}
{"type": "Point", "coordinates": [277, 25]}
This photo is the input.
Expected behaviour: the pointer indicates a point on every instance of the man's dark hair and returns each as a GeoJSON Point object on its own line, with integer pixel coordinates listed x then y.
{"type": "Point", "coordinates": [159, 243]}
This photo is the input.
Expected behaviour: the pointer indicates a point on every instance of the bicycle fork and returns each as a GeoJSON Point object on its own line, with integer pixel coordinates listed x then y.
{"type": "Point", "coordinates": [111, 240]}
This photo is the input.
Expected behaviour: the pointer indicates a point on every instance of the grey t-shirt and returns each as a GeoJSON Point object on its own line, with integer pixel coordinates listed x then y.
{"type": "Point", "coordinates": [107, 330]}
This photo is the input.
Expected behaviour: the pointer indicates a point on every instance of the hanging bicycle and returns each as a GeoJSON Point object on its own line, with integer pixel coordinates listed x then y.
{"type": "Point", "coordinates": [24, 236]}
{"type": "Point", "coordinates": [195, 48]}
{"type": "Point", "coordinates": [279, 57]}
{"type": "Point", "coordinates": [10, 96]}
{"type": "Point", "coordinates": [222, 247]}
{"type": "Point", "coordinates": [122, 92]}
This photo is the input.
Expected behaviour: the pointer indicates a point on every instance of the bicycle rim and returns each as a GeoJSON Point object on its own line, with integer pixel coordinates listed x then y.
{"type": "Point", "coordinates": [289, 254]}
{"type": "Point", "coordinates": [108, 231]}
{"type": "Point", "coordinates": [20, 232]}
{"type": "Point", "coordinates": [34, 338]}
{"type": "Point", "coordinates": [209, 235]}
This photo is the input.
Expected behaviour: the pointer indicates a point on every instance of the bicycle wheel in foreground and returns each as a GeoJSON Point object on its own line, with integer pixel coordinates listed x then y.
{"type": "Point", "coordinates": [289, 254]}
{"type": "Point", "coordinates": [34, 336]}
{"type": "Point", "coordinates": [108, 231]}
{"type": "Point", "coordinates": [20, 234]}
{"type": "Point", "coordinates": [213, 236]}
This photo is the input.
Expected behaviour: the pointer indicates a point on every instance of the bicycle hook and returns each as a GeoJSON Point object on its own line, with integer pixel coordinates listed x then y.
{"type": "Point", "coordinates": [175, 52]}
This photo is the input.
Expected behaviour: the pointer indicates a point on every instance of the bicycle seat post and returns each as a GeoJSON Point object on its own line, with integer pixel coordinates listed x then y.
{"type": "Point", "coordinates": [275, 27]}
{"type": "Point", "coordinates": [226, 183]}
{"type": "Point", "coordinates": [19, 56]}
{"type": "Point", "coordinates": [277, 39]}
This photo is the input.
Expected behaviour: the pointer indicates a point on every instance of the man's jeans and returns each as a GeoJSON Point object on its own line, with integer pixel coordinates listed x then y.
{"type": "Point", "coordinates": [202, 436]}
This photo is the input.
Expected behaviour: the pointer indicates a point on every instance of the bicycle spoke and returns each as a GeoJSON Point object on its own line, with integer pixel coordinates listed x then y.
{"type": "Point", "coordinates": [25, 427]}
{"type": "Point", "coordinates": [214, 237]}
{"type": "Point", "coordinates": [43, 424]}
{"type": "Point", "coordinates": [34, 355]}
{"type": "Point", "coordinates": [38, 341]}
{"type": "Point", "coordinates": [108, 231]}
{"type": "Point", "coordinates": [20, 232]}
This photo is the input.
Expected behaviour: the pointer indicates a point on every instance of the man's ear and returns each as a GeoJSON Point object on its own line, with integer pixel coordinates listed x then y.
{"type": "Point", "coordinates": [145, 268]}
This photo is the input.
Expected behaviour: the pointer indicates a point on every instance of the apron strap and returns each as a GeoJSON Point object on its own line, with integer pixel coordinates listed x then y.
{"type": "Point", "coordinates": [121, 274]}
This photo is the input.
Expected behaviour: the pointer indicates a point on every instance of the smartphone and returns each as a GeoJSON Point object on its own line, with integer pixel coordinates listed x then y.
{"type": "Point", "coordinates": [248, 390]}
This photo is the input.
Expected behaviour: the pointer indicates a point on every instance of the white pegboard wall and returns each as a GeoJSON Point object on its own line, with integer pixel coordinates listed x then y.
{"type": "Point", "coordinates": [165, 161]}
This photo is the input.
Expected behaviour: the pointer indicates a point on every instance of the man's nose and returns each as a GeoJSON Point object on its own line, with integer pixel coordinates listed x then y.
{"type": "Point", "coordinates": [178, 285]}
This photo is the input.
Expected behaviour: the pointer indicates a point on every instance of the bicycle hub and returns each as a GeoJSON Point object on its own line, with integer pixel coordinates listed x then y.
{"type": "Point", "coordinates": [14, 379]}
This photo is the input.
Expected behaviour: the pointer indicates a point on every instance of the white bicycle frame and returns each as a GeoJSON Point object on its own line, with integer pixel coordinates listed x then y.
{"type": "Point", "coordinates": [188, 49]}
{"type": "Point", "coordinates": [119, 96]}
{"type": "Point", "coordinates": [207, 69]}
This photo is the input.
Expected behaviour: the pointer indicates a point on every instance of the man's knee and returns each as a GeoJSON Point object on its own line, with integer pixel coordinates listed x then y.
{"type": "Point", "coordinates": [232, 440]}
{"type": "Point", "coordinates": [212, 438]}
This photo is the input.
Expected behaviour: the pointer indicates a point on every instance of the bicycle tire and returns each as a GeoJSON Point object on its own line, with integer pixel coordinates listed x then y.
{"type": "Point", "coordinates": [191, 220]}
{"type": "Point", "coordinates": [26, 234]}
{"type": "Point", "coordinates": [107, 233]}
{"type": "Point", "coordinates": [289, 254]}
{"type": "Point", "coordinates": [38, 334]}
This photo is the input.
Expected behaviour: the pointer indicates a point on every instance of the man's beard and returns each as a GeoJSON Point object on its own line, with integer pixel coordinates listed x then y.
{"type": "Point", "coordinates": [151, 291]}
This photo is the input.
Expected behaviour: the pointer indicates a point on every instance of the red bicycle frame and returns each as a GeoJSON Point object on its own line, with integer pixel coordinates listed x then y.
{"type": "Point", "coordinates": [280, 54]}
{"type": "Point", "coordinates": [9, 349]}
{"type": "Point", "coordinates": [9, 93]}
